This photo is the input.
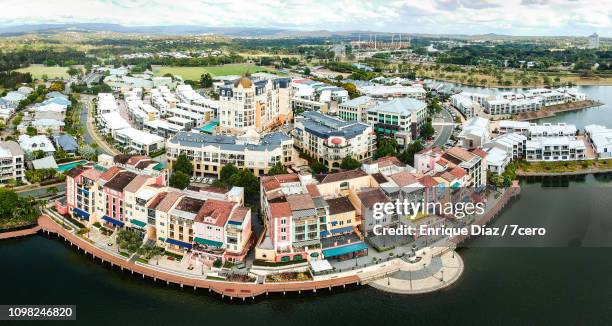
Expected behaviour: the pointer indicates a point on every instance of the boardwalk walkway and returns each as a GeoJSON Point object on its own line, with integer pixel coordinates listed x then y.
{"type": "Point", "coordinates": [20, 233]}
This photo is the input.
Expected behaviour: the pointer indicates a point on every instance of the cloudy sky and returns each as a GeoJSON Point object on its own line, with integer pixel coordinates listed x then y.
{"type": "Point", "coordinates": [515, 17]}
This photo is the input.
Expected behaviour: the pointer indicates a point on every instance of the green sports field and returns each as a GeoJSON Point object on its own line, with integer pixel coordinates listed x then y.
{"type": "Point", "coordinates": [194, 73]}
{"type": "Point", "coordinates": [51, 72]}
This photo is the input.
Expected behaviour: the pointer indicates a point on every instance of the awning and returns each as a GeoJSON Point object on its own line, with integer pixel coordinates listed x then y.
{"type": "Point", "coordinates": [346, 229]}
{"type": "Point", "coordinates": [112, 220]}
{"type": "Point", "coordinates": [320, 265]}
{"type": "Point", "coordinates": [80, 213]}
{"type": "Point", "coordinates": [208, 242]}
{"type": "Point", "coordinates": [138, 223]}
{"type": "Point", "coordinates": [179, 243]}
{"type": "Point", "coordinates": [324, 234]}
{"type": "Point", "coordinates": [339, 251]}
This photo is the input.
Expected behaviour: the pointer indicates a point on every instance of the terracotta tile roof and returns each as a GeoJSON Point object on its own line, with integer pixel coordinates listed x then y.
{"type": "Point", "coordinates": [460, 153]}
{"type": "Point", "coordinates": [313, 190]}
{"type": "Point", "coordinates": [135, 159]}
{"type": "Point", "coordinates": [120, 180]}
{"type": "Point", "coordinates": [428, 181]}
{"type": "Point", "coordinates": [110, 173]}
{"type": "Point", "coordinates": [270, 184]}
{"type": "Point", "coordinates": [403, 179]}
{"type": "Point", "coordinates": [275, 181]}
{"type": "Point", "coordinates": [340, 205]}
{"type": "Point", "coordinates": [168, 201]}
{"type": "Point", "coordinates": [341, 176]}
{"type": "Point", "coordinates": [479, 152]}
{"type": "Point", "coordinates": [215, 212]}
{"type": "Point", "coordinates": [278, 210]}
{"type": "Point", "coordinates": [370, 197]}
{"type": "Point", "coordinates": [137, 183]}
{"type": "Point", "coordinates": [446, 175]}
{"type": "Point", "coordinates": [458, 172]}
{"type": "Point", "coordinates": [74, 172]}
{"type": "Point", "coordinates": [121, 158]}
{"type": "Point", "coordinates": [239, 214]}
{"type": "Point", "coordinates": [189, 204]}
{"type": "Point", "coordinates": [92, 174]}
{"type": "Point", "coordinates": [379, 177]}
{"type": "Point", "coordinates": [156, 200]}
{"type": "Point", "coordinates": [389, 160]}
{"type": "Point", "coordinates": [300, 202]}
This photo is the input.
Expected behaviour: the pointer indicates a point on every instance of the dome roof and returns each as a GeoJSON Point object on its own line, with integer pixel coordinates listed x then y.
{"type": "Point", "coordinates": [244, 81]}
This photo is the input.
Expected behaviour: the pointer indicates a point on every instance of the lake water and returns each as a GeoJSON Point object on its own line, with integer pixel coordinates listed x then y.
{"type": "Point", "coordinates": [555, 282]}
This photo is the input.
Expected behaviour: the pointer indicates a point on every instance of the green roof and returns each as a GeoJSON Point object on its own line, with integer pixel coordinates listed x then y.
{"type": "Point", "coordinates": [138, 223]}
{"type": "Point", "coordinates": [208, 242]}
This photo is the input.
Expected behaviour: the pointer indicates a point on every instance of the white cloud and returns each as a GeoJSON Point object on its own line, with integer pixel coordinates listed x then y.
{"type": "Point", "coordinates": [518, 17]}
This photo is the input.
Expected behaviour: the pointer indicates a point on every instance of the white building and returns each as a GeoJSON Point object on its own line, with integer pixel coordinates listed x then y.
{"type": "Point", "coordinates": [400, 118]}
{"type": "Point", "coordinates": [512, 143]}
{"type": "Point", "coordinates": [36, 143]}
{"type": "Point", "coordinates": [162, 128]}
{"type": "Point", "coordinates": [209, 153]}
{"type": "Point", "coordinates": [415, 91]}
{"type": "Point", "coordinates": [110, 122]}
{"type": "Point", "coordinates": [497, 160]}
{"type": "Point", "coordinates": [330, 139]}
{"type": "Point", "coordinates": [593, 41]}
{"type": "Point", "coordinates": [601, 140]}
{"type": "Point", "coordinates": [552, 130]}
{"type": "Point", "coordinates": [139, 142]}
{"type": "Point", "coordinates": [475, 133]}
{"type": "Point", "coordinates": [356, 109]}
{"type": "Point", "coordinates": [555, 149]}
{"type": "Point", "coordinates": [198, 120]}
{"type": "Point", "coordinates": [310, 95]}
{"type": "Point", "coordinates": [106, 103]}
{"type": "Point", "coordinates": [11, 162]}
{"type": "Point", "coordinates": [512, 126]}
{"type": "Point", "coordinates": [464, 104]}
{"type": "Point", "coordinates": [258, 104]}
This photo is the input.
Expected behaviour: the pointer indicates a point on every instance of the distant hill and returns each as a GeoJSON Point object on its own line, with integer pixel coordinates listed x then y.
{"type": "Point", "coordinates": [162, 30]}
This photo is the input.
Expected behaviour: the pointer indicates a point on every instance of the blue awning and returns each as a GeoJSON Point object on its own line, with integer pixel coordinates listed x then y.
{"type": "Point", "coordinates": [339, 251]}
{"type": "Point", "coordinates": [80, 213]}
{"type": "Point", "coordinates": [179, 243]}
{"type": "Point", "coordinates": [346, 229]}
{"type": "Point", "coordinates": [324, 234]}
{"type": "Point", "coordinates": [112, 220]}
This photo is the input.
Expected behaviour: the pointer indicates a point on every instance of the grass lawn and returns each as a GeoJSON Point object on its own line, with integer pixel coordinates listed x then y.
{"type": "Point", "coordinates": [568, 166]}
{"type": "Point", "coordinates": [51, 72]}
{"type": "Point", "coordinates": [194, 73]}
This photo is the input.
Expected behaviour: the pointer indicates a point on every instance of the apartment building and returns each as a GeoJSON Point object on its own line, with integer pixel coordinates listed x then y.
{"type": "Point", "coordinates": [12, 162]}
{"type": "Point", "coordinates": [400, 118]}
{"type": "Point", "coordinates": [475, 133]}
{"type": "Point", "coordinates": [514, 144]}
{"type": "Point", "coordinates": [555, 149]}
{"type": "Point", "coordinates": [356, 109]}
{"type": "Point", "coordinates": [258, 104]}
{"type": "Point", "coordinates": [106, 103]}
{"type": "Point", "coordinates": [601, 140]}
{"type": "Point", "coordinates": [432, 161]}
{"type": "Point", "coordinates": [464, 104]}
{"type": "Point", "coordinates": [330, 139]}
{"type": "Point", "coordinates": [512, 126]}
{"type": "Point", "coordinates": [415, 91]}
{"type": "Point", "coordinates": [208, 223]}
{"type": "Point", "coordinates": [209, 153]}
{"type": "Point", "coordinates": [140, 142]}
{"type": "Point", "coordinates": [310, 95]}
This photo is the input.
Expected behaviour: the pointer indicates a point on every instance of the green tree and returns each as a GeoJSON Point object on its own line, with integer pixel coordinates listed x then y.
{"type": "Point", "coordinates": [179, 180]}
{"type": "Point", "coordinates": [278, 168]}
{"type": "Point", "coordinates": [427, 130]}
{"type": "Point", "coordinates": [31, 131]}
{"type": "Point", "coordinates": [307, 71]}
{"type": "Point", "coordinates": [247, 180]}
{"type": "Point", "coordinates": [349, 163]}
{"type": "Point", "coordinates": [183, 164]}
{"type": "Point", "coordinates": [385, 147]}
{"type": "Point", "coordinates": [227, 171]}
{"type": "Point", "coordinates": [206, 80]}
{"type": "Point", "coordinates": [317, 167]}
{"type": "Point", "coordinates": [407, 156]}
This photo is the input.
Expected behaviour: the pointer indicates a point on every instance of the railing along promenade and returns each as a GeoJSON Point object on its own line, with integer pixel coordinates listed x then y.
{"type": "Point", "coordinates": [224, 288]}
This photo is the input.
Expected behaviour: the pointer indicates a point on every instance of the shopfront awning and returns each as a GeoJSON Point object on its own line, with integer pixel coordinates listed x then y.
{"type": "Point", "coordinates": [179, 243]}
{"type": "Point", "coordinates": [138, 223]}
{"type": "Point", "coordinates": [207, 242]}
{"type": "Point", "coordinates": [346, 229]}
{"type": "Point", "coordinates": [112, 220]}
{"type": "Point", "coordinates": [339, 251]}
{"type": "Point", "coordinates": [80, 213]}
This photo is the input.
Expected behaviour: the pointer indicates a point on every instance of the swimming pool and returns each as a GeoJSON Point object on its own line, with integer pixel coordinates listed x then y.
{"type": "Point", "coordinates": [209, 128]}
{"type": "Point", "coordinates": [70, 165]}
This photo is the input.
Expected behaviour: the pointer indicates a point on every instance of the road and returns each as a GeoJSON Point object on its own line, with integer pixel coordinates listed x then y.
{"type": "Point", "coordinates": [443, 126]}
{"type": "Point", "coordinates": [90, 136]}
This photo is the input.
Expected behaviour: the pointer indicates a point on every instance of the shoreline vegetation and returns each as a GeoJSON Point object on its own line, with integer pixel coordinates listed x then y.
{"type": "Point", "coordinates": [552, 111]}
{"type": "Point", "coordinates": [524, 169]}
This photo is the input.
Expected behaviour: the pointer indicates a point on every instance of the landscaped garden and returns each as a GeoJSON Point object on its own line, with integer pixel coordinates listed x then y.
{"type": "Point", "coordinates": [289, 277]}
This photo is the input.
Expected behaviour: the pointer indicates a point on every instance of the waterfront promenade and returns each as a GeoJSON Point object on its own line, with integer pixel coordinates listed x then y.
{"type": "Point", "coordinates": [20, 233]}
